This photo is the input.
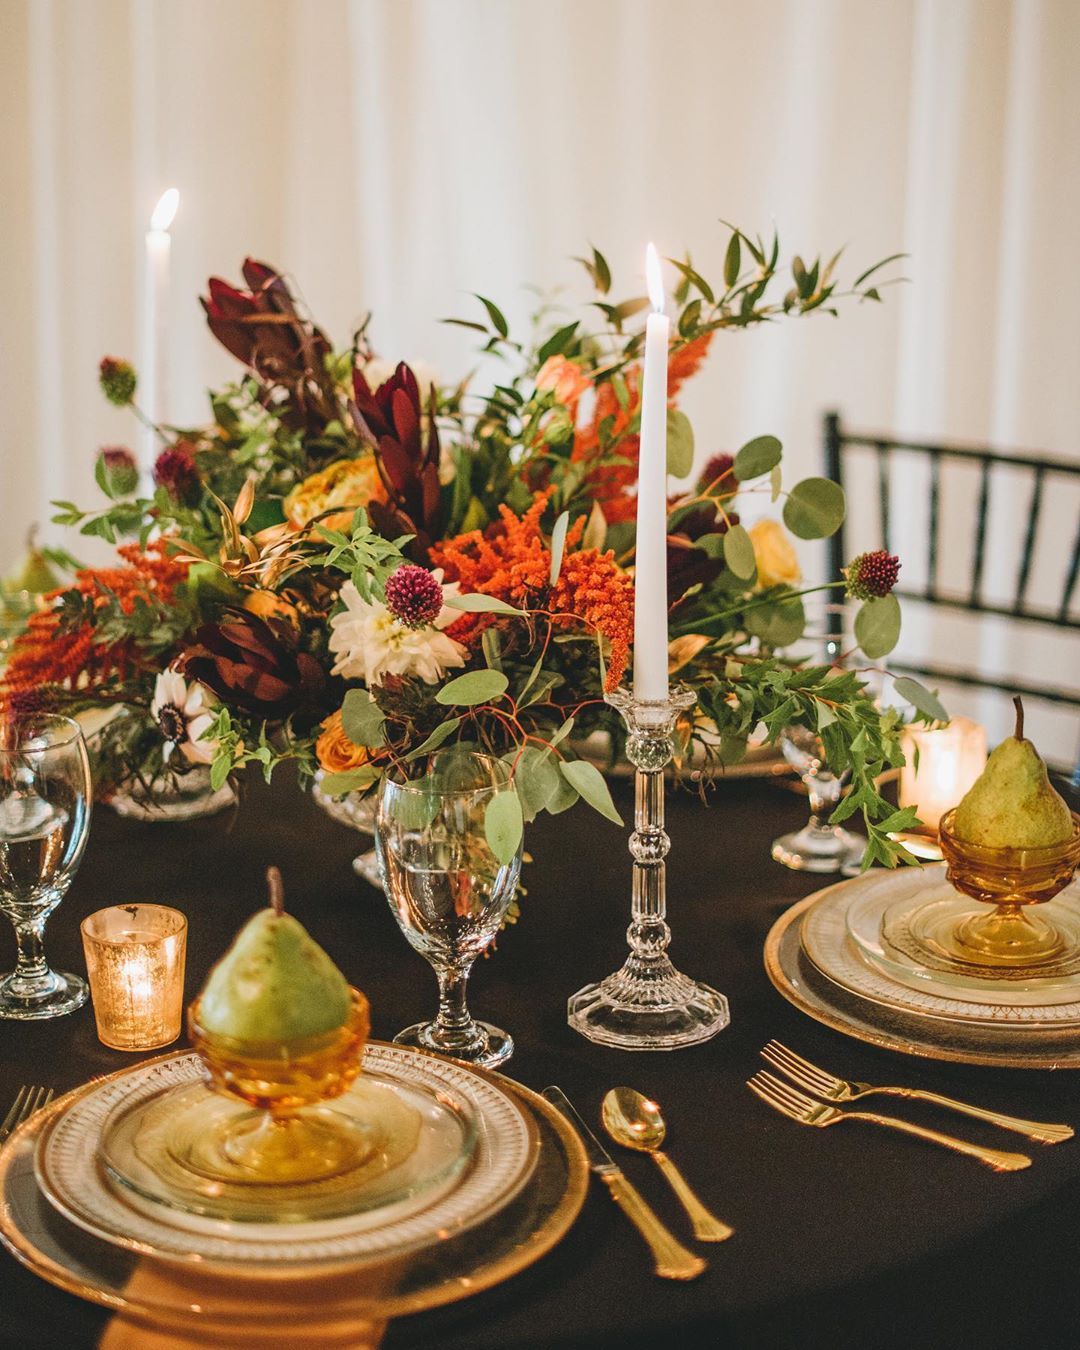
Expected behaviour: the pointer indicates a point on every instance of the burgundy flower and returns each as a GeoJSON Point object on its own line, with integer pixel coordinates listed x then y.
{"type": "Point", "coordinates": [413, 596]}
{"type": "Point", "coordinates": [717, 475]}
{"type": "Point", "coordinates": [175, 471]}
{"type": "Point", "coordinates": [688, 564]}
{"type": "Point", "coordinates": [253, 664]}
{"type": "Point", "coordinates": [872, 575]}
{"type": "Point", "coordinates": [118, 380]}
{"type": "Point", "coordinates": [263, 328]}
{"type": "Point", "coordinates": [390, 419]}
{"type": "Point", "coordinates": [118, 470]}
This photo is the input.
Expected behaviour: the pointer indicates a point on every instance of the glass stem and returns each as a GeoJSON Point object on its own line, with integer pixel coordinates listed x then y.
{"type": "Point", "coordinates": [454, 1018]}
{"type": "Point", "coordinates": [31, 963]}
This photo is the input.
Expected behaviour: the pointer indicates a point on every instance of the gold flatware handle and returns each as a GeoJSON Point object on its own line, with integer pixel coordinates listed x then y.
{"type": "Point", "coordinates": [1038, 1130]}
{"type": "Point", "coordinates": [673, 1260]}
{"type": "Point", "coordinates": [992, 1157]}
{"type": "Point", "coordinates": [707, 1227]}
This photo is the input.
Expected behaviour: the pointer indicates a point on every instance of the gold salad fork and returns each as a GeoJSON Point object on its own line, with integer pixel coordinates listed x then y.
{"type": "Point", "coordinates": [824, 1084]}
{"type": "Point", "coordinates": [796, 1106]}
{"type": "Point", "coordinates": [27, 1101]}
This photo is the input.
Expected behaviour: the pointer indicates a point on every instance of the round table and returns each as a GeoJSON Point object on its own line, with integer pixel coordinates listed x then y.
{"type": "Point", "coordinates": [851, 1237]}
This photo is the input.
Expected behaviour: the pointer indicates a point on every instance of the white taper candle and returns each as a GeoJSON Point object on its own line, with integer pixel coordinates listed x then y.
{"type": "Point", "coordinates": [650, 565]}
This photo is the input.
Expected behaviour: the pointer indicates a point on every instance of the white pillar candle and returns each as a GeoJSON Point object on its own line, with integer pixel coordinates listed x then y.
{"type": "Point", "coordinates": [650, 564]}
{"type": "Point", "coordinates": [153, 364]}
{"type": "Point", "coordinates": [950, 760]}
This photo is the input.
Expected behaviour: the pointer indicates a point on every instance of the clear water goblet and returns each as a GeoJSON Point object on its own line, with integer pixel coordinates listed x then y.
{"type": "Point", "coordinates": [45, 799]}
{"type": "Point", "coordinates": [448, 891]}
{"type": "Point", "coordinates": [818, 846]}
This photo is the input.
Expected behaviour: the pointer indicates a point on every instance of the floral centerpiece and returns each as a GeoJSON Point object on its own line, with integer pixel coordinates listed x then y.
{"type": "Point", "coordinates": [352, 563]}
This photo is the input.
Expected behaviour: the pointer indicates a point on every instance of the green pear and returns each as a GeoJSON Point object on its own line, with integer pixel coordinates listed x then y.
{"type": "Point", "coordinates": [275, 984]}
{"type": "Point", "coordinates": [34, 574]}
{"type": "Point", "coordinates": [1012, 803]}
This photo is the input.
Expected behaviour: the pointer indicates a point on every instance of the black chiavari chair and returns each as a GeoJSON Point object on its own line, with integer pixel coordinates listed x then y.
{"type": "Point", "coordinates": [1042, 473]}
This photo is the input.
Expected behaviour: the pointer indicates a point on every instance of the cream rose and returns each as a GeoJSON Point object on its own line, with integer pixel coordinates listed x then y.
{"type": "Point", "coordinates": [777, 561]}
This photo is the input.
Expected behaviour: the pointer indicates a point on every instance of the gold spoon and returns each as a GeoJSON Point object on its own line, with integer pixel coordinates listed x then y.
{"type": "Point", "coordinates": [635, 1122]}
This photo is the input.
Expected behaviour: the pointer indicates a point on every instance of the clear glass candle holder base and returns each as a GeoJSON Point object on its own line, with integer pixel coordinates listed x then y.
{"type": "Point", "coordinates": [53, 995]}
{"type": "Point", "coordinates": [658, 1009]}
{"type": "Point", "coordinates": [819, 848]}
{"type": "Point", "coordinates": [366, 867]}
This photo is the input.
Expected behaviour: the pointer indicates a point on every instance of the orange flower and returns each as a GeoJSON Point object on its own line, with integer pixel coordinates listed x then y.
{"type": "Point", "coordinates": [347, 483]}
{"type": "Point", "coordinates": [334, 751]}
{"type": "Point", "coordinates": [44, 655]}
{"type": "Point", "coordinates": [565, 378]}
{"type": "Point", "coordinates": [513, 562]}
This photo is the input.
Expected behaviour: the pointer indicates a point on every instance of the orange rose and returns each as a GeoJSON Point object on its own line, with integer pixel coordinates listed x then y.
{"type": "Point", "coordinates": [334, 751]}
{"type": "Point", "coordinates": [567, 380]}
{"type": "Point", "coordinates": [347, 483]}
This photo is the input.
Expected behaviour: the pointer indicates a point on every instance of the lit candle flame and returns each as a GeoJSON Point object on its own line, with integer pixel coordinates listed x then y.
{"type": "Point", "coordinates": [165, 211]}
{"type": "Point", "coordinates": [654, 278]}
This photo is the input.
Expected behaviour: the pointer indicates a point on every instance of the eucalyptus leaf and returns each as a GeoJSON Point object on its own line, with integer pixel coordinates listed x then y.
{"type": "Point", "coordinates": [432, 742]}
{"type": "Point", "coordinates": [504, 825]}
{"type": "Point", "coordinates": [779, 624]}
{"type": "Point", "coordinates": [815, 508]}
{"type": "Point", "coordinates": [596, 528]}
{"type": "Point", "coordinates": [919, 696]}
{"type": "Point", "coordinates": [739, 551]}
{"type": "Point", "coordinates": [757, 457]}
{"type": "Point", "coordinates": [776, 481]}
{"type": "Point", "coordinates": [492, 648]}
{"type": "Point", "coordinates": [477, 686]}
{"type": "Point", "coordinates": [877, 627]}
{"type": "Point", "coordinates": [480, 604]}
{"type": "Point", "coordinates": [355, 780]}
{"type": "Point", "coordinates": [558, 543]}
{"type": "Point", "coordinates": [680, 444]}
{"type": "Point", "coordinates": [536, 779]}
{"type": "Point", "coordinates": [362, 719]}
{"type": "Point", "coordinates": [588, 781]}
{"type": "Point", "coordinates": [732, 260]}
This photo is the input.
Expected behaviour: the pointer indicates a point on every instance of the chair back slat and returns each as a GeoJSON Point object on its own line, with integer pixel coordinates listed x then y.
{"type": "Point", "coordinates": [1029, 539]}
{"type": "Point", "coordinates": [935, 514]}
{"type": "Point", "coordinates": [884, 474]}
{"type": "Point", "coordinates": [980, 536]}
{"type": "Point", "coordinates": [1070, 579]}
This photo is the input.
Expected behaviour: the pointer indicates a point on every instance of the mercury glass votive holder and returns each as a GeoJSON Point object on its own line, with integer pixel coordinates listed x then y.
{"type": "Point", "coordinates": [135, 960]}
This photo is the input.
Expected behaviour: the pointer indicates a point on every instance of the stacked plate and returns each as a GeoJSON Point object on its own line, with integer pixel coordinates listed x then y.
{"type": "Point", "coordinates": [833, 958]}
{"type": "Point", "coordinates": [490, 1180]}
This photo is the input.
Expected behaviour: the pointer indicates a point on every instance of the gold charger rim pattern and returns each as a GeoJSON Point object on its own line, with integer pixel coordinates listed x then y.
{"type": "Point", "coordinates": [826, 1015]}
{"type": "Point", "coordinates": [548, 1231]}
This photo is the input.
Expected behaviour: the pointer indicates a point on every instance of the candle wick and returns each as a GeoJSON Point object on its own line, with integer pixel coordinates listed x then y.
{"type": "Point", "coordinates": [277, 891]}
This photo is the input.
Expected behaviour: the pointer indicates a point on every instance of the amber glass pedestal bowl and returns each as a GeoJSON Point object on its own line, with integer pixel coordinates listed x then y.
{"type": "Point", "coordinates": [1011, 928]}
{"type": "Point", "coordinates": [291, 1133]}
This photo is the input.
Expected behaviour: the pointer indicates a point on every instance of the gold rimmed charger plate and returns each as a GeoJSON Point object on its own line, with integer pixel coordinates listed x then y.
{"type": "Point", "coordinates": [170, 1298]}
{"type": "Point", "coordinates": [799, 981]}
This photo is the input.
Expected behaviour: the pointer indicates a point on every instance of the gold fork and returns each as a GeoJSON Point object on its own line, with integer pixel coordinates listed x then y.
{"type": "Point", "coordinates": [796, 1106]}
{"type": "Point", "coordinates": [824, 1084]}
{"type": "Point", "coordinates": [27, 1101]}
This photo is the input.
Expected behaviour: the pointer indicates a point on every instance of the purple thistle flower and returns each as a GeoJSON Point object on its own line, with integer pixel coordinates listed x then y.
{"type": "Point", "coordinates": [413, 596]}
{"type": "Point", "coordinates": [871, 576]}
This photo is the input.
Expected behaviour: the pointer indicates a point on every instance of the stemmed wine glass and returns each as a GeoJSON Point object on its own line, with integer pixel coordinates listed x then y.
{"type": "Point", "coordinates": [45, 799]}
{"type": "Point", "coordinates": [818, 846]}
{"type": "Point", "coordinates": [446, 888]}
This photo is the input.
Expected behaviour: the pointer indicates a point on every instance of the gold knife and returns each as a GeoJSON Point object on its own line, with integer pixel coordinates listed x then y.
{"type": "Point", "coordinates": [673, 1260]}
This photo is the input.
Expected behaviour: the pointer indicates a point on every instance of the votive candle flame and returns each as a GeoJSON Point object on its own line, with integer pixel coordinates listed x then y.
{"type": "Point", "coordinates": [135, 960]}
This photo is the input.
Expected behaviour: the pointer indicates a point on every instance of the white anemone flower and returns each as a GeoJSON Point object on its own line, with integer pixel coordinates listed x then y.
{"type": "Point", "coordinates": [370, 643]}
{"type": "Point", "coordinates": [183, 712]}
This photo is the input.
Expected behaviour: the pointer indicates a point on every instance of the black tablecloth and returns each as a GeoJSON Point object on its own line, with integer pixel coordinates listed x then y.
{"type": "Point", "coordinates": [848, 1237]}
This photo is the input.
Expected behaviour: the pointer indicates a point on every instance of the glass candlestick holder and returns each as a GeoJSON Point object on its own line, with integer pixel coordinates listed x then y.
{"type": "Point", "coordinates": [648, 1004]}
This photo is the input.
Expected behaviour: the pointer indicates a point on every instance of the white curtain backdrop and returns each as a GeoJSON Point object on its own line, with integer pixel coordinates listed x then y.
{"type": "Point", "coordinates": [395, 155]}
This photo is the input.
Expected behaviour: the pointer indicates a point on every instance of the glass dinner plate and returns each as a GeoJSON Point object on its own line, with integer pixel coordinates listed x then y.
{"type": "Point", "coordinates": [211, 1303]}
{"type": "Point", "coordinates": [841, 937]}
{"type": "Point", "coordinates": [71, 1174]}
{"type": "Point", "coordinates": [797, 978]}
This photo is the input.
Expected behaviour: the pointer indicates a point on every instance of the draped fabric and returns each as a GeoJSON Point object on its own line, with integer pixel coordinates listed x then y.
{"type": "Point", "coordinates": [397, 155]}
